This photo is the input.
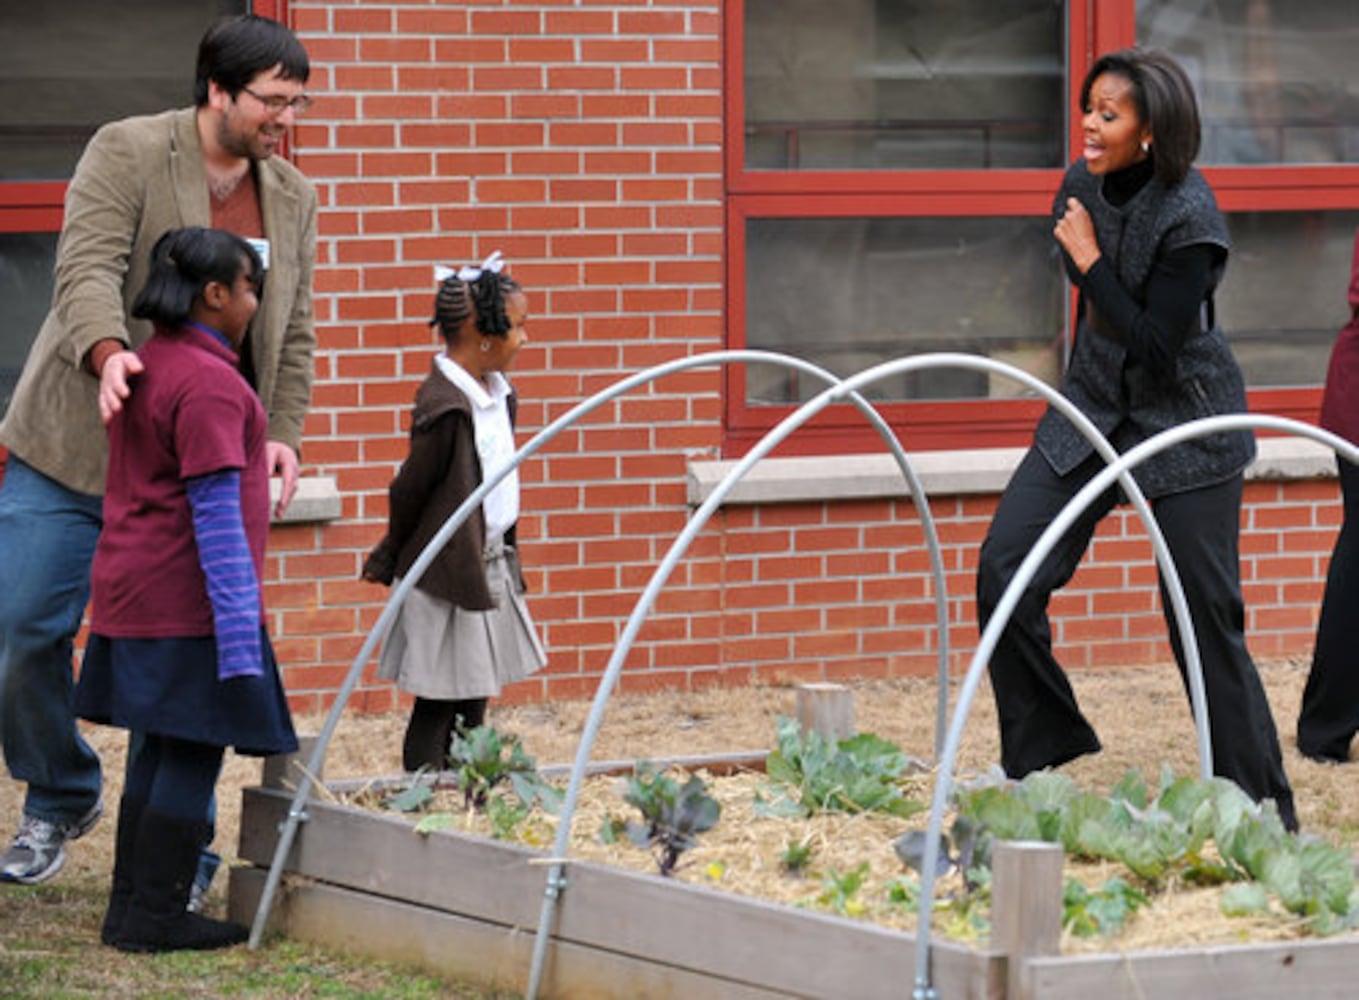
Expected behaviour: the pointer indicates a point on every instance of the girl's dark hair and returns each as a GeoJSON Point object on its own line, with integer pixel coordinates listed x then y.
{"type": "Point", "coordinates": [183, 261]}
{"type": "Point", "coordinates": [1165, 101]}
{"type": "Point", "coordinates": [237, 49]}
{"type": "Point", "coordinates": [483, 297]}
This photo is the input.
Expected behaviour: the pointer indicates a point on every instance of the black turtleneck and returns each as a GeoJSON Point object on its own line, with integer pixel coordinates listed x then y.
{"type": "Point", "coordinates": [1154, 330]}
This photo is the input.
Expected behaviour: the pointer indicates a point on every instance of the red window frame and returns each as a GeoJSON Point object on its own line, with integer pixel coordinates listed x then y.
{"type": "Point", "coordinates": [1093, 28]}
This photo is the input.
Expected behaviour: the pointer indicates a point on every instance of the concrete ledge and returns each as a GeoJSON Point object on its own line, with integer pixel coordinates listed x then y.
{"type": "Point", "coordinates": [317, 499]}
{"type": "Point", "coordinates": [942, 473]}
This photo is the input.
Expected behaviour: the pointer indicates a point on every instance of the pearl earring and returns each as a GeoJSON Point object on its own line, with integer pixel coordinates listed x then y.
{"type": "Point", "coordinates": [1146, 146]}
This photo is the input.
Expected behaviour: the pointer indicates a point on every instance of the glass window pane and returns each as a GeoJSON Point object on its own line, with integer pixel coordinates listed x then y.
{"type": "Point", "coordinates": [26, 290]}
{"type": "Point", "coordinates": [899, 84]}
{"type": "Point", "coordinates": [1275, 77]}
{"type": "Point", "coordinates": [849, 293]}
{"type": "Point", "coordinates": [71, 65]}
{"type": "Point", "coordinates": [1285, 339]}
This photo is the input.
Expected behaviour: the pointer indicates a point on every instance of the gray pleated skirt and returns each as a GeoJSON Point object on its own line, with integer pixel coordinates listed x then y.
{"type": "Point", "coordinates": [437, 650]}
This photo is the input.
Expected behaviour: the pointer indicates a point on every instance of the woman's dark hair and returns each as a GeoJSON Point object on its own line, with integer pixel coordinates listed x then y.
{"type": "Point", "coordinates": [483, 297]}
{"type": "Point", "coordinates": [1165, 101]}
{"type": "Point", "coordinates": [237, 49]}
{"type": "Point", "coordinates": [183, 261]}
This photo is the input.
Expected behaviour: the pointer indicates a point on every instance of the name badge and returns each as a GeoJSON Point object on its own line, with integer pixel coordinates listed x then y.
{"type": "Point", "coordinates": [262, 248]}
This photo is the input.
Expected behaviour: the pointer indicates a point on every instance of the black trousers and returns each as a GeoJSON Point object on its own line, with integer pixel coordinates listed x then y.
{"type": "Point", "coordinates": [429, 731]}
{"type": "Point", "coordinates": [1040, 722]}
{"type": "Point", "coordinates": [1330, 701]}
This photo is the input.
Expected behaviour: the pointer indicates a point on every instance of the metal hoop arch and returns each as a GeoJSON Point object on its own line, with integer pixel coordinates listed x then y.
{"type": "Point", "coordinates": [837, 390]}
{"type": "Point", "coordinates": [296, 811]}
{"type": "Point", "coordinates": [1116, 470]}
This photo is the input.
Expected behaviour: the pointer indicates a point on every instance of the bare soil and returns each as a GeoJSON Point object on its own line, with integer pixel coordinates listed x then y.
{"type": "Point", "coordinates": [1141, 714]}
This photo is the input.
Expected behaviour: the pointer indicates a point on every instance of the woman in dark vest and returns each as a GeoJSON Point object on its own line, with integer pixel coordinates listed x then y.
{"type": "Point", "coordinates": [1145, 246]}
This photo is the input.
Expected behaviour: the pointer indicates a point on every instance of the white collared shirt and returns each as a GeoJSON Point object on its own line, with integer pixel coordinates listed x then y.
{"type": "Point", "coordinates": [495, 441]}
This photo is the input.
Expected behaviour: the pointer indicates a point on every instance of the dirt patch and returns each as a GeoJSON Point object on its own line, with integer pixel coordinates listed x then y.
{"type": "Point", "coordinates": [1141, 715]}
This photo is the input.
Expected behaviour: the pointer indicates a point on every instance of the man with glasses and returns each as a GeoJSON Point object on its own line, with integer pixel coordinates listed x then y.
{"type": "Point", "coordinates": [212, 164]}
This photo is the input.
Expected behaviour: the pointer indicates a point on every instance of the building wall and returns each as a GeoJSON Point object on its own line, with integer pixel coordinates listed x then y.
{"type": "Point", "coordinates": [584, 139]}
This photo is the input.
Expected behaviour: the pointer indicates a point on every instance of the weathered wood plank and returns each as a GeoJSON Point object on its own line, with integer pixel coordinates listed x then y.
{"type": "Point", "coordinates": [650, 918]}
{"type": "Point", "coordinates": [1026, 911]}
{"type": "Point", "coordinates": [1314, 970]}
{"type": "Point", "coordinates": [466, 949]}
{"type": "Point", "coordinates": [826, 709]}
{"type": "Point", "coordinates": [732, 762]}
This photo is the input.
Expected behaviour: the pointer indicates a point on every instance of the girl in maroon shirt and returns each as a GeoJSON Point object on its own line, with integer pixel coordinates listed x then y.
{"type": "Point", "coordinates": [177, 651]}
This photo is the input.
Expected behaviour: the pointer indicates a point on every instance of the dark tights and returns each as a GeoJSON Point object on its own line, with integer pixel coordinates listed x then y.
{"type": "Point", "coordinates": [173, 776]}
{"type": "Point", "coordinates": [430, 730]}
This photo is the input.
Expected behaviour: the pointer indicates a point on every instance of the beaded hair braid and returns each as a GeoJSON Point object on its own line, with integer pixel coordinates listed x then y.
{"type": "Point", "coordinates": [483, 298]}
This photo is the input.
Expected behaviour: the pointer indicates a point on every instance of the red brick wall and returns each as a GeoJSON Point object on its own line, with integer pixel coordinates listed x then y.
{"type": "Point", "coordinates": [585, 141]}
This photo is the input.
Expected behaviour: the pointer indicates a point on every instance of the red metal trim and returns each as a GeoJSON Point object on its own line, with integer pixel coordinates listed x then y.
{"type": "Point", "coordinates": [14, 193]}
{"type": "Point", "coordinates": [733, 70]}
{"type": "Point", "coordinates": [30, 219]}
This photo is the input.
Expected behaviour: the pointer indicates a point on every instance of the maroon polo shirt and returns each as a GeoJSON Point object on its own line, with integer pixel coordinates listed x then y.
{"type": "Point", "coordinates": [190, 413]}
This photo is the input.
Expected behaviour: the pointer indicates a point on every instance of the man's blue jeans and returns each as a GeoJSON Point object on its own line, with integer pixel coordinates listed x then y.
{"type": "Point", "coordinates": [47, 539]}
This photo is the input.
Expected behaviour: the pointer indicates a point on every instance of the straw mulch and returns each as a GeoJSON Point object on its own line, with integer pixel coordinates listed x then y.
{"type": "Point", "coordinates": [1141, 715]}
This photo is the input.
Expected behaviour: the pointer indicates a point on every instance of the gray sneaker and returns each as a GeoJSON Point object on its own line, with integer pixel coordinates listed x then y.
{"type": "Point", "coordinates": [39, 848]}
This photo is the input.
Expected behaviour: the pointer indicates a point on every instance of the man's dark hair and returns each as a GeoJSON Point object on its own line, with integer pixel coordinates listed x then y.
{"type": "Point", "coordinates": [1165, 102]}
{"type": "Point", "coordinates": [236, 49]}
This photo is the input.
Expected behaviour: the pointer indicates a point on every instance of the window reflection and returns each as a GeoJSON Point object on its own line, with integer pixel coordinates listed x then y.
{"type": "Point", "coordinates": [850, 293]}
{"type": "Point", "coordinates": [26, 290]}
{"type": "Point", "coordinates": [900, 84]}
{"type": "Point", "coordinates": [1274, 77]}
{"type": "Point", "coordinates": [71, 65]}
{"type": "Point", "coordinates": [1285, 339]}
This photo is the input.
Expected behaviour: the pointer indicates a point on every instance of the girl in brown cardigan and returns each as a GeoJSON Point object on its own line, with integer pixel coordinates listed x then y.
{"type": "Point", "coordinates": [464, 630]}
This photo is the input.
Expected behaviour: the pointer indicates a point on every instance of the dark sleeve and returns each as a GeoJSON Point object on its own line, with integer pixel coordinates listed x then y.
{"type": "Point", "coordinates": [1176, 288]}
{"type": "Point", "coordinates": [420, 474]}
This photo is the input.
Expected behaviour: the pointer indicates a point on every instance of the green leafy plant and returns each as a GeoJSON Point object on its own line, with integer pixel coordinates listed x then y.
{"type": "Point", "coordinates": [1206, 832]}
{"type": "Point", "coordinates": [840, 892]}
{"type": "Point", "coordinates": [861, 774]}
{"type": "Point", "coordinates": [415, 796]}
{"type": "Point", "coordinates": [496, 776]}
{"type": "Point", "coordinates": [965, 849]}
{"type": "Point", "coordinates": [1103, 911]}
{"type": "Point", "coordinates": [796, 857]}
{"type": "Point", "coordinates": [673, 814]}
{"type": "Point", "coordinates": [484, 759]}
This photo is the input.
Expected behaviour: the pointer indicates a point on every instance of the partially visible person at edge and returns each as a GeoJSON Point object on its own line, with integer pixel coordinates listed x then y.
{"type": "Point", "coordinates": [1330, 702]}
{"type": "Point", "coordinates": [178, 651]}
{"type": "Point", "coordinates": [1145, 246]}
{"type": "Point", "coordinates": [212, 164]}
{"type": "Point", "coordinates": [464, 630]}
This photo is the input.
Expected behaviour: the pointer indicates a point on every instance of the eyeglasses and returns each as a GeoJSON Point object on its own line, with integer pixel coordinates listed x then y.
{"type": "Point", "coordinates": [276, 104]}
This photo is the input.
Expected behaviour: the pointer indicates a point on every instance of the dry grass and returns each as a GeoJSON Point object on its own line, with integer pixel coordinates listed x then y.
{"type": "Point", "coordinates": [1141, 715]}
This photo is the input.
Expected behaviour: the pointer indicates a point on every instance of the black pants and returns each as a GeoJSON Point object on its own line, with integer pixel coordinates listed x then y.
{"type": "Point", "coordinates": [429, 731]}
{"type": "Point", "coordinates": [1330, 702]}
{"type": "Point", "coordinates": [1040, 722]}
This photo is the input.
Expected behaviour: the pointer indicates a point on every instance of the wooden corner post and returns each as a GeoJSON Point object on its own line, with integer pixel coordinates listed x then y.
{"type": "Point", "coordinates": [1026, 906]}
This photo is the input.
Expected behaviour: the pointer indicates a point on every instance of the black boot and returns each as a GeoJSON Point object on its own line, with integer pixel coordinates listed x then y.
{"type": "Point", "coordinates": [129, 821]}
{"type": "Point", "coordinates": [163, 866]}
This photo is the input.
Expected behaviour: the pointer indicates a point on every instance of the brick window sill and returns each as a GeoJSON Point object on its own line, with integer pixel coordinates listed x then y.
{"type": "Point", "coordinates": [979, 471]}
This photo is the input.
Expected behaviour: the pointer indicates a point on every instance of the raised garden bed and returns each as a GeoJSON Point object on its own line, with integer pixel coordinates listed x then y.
{"type": "Point", "coordinates": [469, 907]}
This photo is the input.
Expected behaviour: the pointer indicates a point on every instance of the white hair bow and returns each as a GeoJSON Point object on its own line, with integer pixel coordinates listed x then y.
{"type": "Point", "coordinates": [493, 263]}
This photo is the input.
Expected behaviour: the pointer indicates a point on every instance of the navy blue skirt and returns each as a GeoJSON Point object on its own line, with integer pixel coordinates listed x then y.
{"type": "Point", "coordinates": [169, 687]}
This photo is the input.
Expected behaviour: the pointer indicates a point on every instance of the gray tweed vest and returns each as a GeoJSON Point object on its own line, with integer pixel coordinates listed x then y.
{"type": "Point", "coordinates": [1125, 401]}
